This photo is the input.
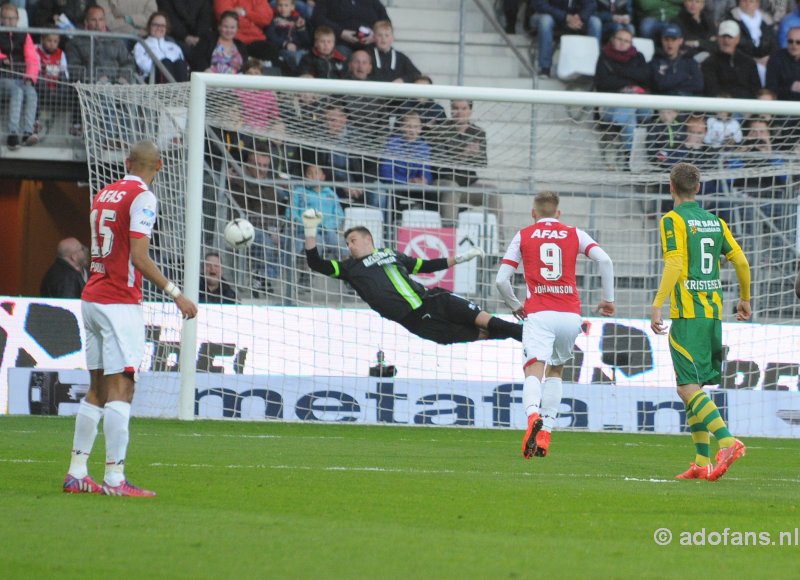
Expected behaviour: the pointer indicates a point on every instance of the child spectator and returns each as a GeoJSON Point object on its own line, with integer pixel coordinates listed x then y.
{"type": "Point", "coordinates": [723, 130]}
{"type": "Point", "coordinates": [324, 61]}
{"type": "Point", "coordinates": [168, 52]}
{"type": "Point", "coordinates": [406, 160]}
{"type": "Point", "coordinates": [259, 107]}
{"type": "Point", "coordinates": [289, 34]}
{"type": "Point", "coordinates": [52, 92]}
{"type": "Point", "coordinates": [322, 198]}
{"type": "Point", "coordinates": [18, 55]}
{"type": "Point", "coordinates": [663, 137]}
{"type": "Point", "coordinates": [53, 62]}
{"type": "Point", "coordinates": [388, 64]}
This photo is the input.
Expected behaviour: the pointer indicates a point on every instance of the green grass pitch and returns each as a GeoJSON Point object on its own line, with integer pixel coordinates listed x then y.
{"type": "Point", "coordinates": [290, 500]}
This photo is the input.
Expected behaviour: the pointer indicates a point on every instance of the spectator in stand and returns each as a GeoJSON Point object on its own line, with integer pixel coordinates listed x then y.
{"type": "Point", "coordinates": [700, 32]}
{"type": "Point", "coordinates": [352, 172]}
{"type": "Point", "coordinates": [128, 16]}
{"type": "Point", "coordinates": [112, 62]}
{"type": "Point", "coordinates": [67, 276]}
{"type": "Point", "coordinates": [388, 64]}
{"type": "Point", "coordinates": [322, 198]}
{"type": "Point", "coordinates": [324, 61]}
{"type": "Point", "coordinates": [663, 137]}
{"type": "Point", "coordinates": [368, 116]}
{"type": "Point", "coordinates": [254, 191]}
{"type": "Point", "coordinates": [406, 161]}
{"type": "Point", "coordinates": [19, 73]}
{"type": "Point", "coordinates": [301, 110]}
{"type": "Point", "coordinates": [53, 92]}
{"type": "Point", "coordinates": [757, 36]}
{"type": "Point", "coordinates": [304, 7]}
{"type": "Point", "coordinates": [724, 131]}
{"type": "Point", "coordinates": [673, 72]}
{"type": "Point", "coordinates": [783, 69]}
{"type": "Point", "coordinates": [728, 70]}
{"type": "Point", "coordinates": [430, 112]}
{"type": "Point", "coordinates": [777, 9]}
{"type": "Point", "coordinates": [350, 21]}
{"type": "Point", "coordinates": [791, 20]}
{"type": "Point", "coordinates": [63, 14]}
{"type": "Point", "coordinates": [289, 34]}
{"type": "Point", "coordinates": [213, 287]}
{"type": "Point", "coordinates": [758, 152]}
{"type": "Point", "coordinates": [254, 17]}
{"type": "Point", "coordinates": [360, 66]}
{"type": "Point", "coordinates": [168, 52]}
{"type": "Point", "coordinates": [190, 21]}
{"type": "Point", "coordinates": [622, 69]}
{"type": "Point", "coordinates": [223, 52]}
{"type": "Point", "coordinates": [562, 17]}
{"type": "Point", "coordinates": [460, 145]}
{"type": "Point", "coordinates": [258, 108]}
{"type": "Point", "coordinates": [615, 14]}
{"type": "Point", "coordinates": [653, 15]}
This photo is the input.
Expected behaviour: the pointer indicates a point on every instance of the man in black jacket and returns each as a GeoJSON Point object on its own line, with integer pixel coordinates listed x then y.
{"type": "Point", "coordinates": [783, 69]}
{"type": "Point", "coordinates": [67, 276]}
{"type": "Point", "coordinates": [673, 72]}
{"type": "Point", "coordinates": [729, 70]}
{"type": "Point", "coordinates": [350, 21]}
{"type": "Point", "coordinates": [189, 21]}
{"type": "Point", "coordinates": [381, 277]}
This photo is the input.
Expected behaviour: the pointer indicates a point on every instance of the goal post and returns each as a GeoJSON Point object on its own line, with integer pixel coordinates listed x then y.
{"type": "Point", "coordinates": [299, 346]}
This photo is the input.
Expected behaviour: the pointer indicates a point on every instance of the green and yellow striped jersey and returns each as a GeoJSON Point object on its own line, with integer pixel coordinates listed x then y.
{"type": "Point", "coordinates": [699, 237]}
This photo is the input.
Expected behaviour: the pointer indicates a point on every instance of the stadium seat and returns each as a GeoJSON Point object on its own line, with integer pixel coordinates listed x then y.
{"type": "Point", "coordinates": [646, 46]}
{"type": "Point", "coordinates": [577, 57]}
{"type": "Point", "coordinates": [369, 217]}
{"type": "Point", "coordinates": [475, 228]}
{"type": "Point", "coordinates": [420, 218]}
{"type": "Point", "coordinates": [22, 22]}
{"type": "Point", "coordinates": [638, 160]}
{"type": "Point", "coordinates": [481, 230]}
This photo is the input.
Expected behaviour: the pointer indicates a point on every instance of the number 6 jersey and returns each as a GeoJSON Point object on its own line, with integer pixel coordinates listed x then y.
{"type": "Point", "coordinates": [120, 211]}
{"type": "Point", "coordinates": [549, 250]}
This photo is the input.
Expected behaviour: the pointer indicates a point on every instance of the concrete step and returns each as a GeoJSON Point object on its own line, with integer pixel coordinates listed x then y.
{"type": "Point", "coordinates": [490, 38]}
{"type": "Point", "coordinates": [490, 66]}
{"type": "Point", "coordinates": [434, 20]}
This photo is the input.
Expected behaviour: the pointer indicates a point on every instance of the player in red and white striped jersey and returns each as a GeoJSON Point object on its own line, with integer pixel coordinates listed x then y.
{"type": "Point", "coordinates": [548, 251]}
{"type": "Point", "coordinates": [122, 218]}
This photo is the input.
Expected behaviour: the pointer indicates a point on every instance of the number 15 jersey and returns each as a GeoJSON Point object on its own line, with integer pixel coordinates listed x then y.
{"type": "Point", "coordinates": [123, 210]}
{"type": "Point", "coordinates": [548, 251]}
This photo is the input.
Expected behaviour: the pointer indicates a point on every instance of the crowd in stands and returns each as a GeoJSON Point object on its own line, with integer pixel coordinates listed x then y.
{"type": "Point", "coordinates": [724, 48]}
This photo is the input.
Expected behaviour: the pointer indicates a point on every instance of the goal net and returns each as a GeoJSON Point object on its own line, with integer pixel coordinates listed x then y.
{"type": "Point", "coordinates": [433, 171]}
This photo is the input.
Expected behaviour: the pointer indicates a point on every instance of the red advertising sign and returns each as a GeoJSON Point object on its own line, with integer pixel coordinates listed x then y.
{"type": "Point", "coordinates": [429, 244]}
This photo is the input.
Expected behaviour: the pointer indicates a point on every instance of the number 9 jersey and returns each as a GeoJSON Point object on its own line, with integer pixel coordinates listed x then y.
{"type": "Point", "coordinates": [549, 251]}
{"type": "Point", "coordinates": [120, 211]}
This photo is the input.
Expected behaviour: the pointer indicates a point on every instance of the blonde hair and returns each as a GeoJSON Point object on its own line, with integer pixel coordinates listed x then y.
{"type": "Point", "coordinates": [382, 24]}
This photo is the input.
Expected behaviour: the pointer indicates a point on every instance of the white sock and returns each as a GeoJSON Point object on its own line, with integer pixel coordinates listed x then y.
{"type": "Point", "coordinates": [86, 422]}
{"type": "Point", "coordinates": [551, 400]}
{"type": "Point", "coordinates": [531, 395]}
{"type": "Point", "coordinates": [118, 415]}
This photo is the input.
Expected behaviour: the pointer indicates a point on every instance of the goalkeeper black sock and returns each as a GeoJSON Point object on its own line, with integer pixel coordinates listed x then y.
{"type": "Point", "coordinates": [500, 329]}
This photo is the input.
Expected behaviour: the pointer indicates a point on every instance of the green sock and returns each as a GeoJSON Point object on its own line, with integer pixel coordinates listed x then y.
{"type": "Point", "coordinates": [700, 438]}
{"type": "Point", "coordinates": [704, 409]}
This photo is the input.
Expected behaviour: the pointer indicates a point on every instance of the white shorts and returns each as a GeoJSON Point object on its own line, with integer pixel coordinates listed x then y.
{"type": "Point", "coordinates": [114, 337]}
{"type": "Point", "coordinates": [549, 336]}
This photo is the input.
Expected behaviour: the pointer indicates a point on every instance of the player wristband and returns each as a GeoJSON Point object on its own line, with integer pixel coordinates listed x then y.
{"type": "Point", "coordinates": [172, 290]}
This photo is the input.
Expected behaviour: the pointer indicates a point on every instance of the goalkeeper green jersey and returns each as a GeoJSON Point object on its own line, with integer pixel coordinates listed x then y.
{"type": "Point", "coordinates": [699, 237]}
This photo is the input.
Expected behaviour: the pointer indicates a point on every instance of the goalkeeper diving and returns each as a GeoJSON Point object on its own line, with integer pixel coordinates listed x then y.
{"type": "Point", "coordinates": [382, 278]}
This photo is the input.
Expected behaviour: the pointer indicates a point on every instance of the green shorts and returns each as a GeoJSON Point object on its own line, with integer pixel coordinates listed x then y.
{"type": "Point", "coordinates": [695, 345]}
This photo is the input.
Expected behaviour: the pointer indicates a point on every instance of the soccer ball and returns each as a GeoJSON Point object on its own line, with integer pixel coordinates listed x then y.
{"type": "Point", "coordinates": [239, 233]}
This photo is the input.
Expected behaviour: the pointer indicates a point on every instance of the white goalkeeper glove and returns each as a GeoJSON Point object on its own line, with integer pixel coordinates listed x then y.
{"type": "Point", "coordinates": [471, 254]}
{"type": "Point", "coordinates": [311, 220]}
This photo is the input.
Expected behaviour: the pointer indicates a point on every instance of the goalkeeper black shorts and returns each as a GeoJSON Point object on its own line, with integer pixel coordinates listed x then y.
{"type": "Point", "coordinates": [444, 318]}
